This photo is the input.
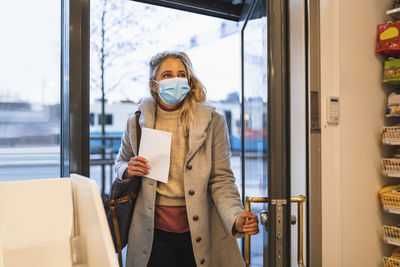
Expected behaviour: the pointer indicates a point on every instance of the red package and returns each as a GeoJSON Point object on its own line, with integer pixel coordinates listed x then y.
{"type": "Point", "coordinates": [388, 39]}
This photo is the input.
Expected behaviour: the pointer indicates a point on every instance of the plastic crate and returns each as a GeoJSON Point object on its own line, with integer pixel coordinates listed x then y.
{"type": "Point", "coordinates": [391, 135]}
{"type": "Point", "coordinates": [391, 167]}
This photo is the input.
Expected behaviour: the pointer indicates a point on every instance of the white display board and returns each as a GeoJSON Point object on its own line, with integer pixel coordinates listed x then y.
{"type": "Point", "coordinates": [41, 220]}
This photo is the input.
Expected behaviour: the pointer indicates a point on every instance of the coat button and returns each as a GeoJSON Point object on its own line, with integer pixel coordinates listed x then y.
{"type": "Point", "coordinates": [195, 217]}
{"type": "Point", "coordinates": [191, 192]}
{"type": "Point", "coordinates": [198, 239]}
{"type": "Point", "coordinates": [202, 261]}
{"type": "Point", "coordinates": [189, 167]}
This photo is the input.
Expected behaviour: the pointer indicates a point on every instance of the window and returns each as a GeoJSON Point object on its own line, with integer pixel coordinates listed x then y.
{"type": "Point", "coordinates": [91, 119]}
{"type": "Point", "coordinates": [108, 119]}
{"type": "Point", "coordinates": [30, 89]}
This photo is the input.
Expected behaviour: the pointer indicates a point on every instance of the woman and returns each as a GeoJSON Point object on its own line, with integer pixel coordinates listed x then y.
{"type": "Point", "coordinates": [194, 218]}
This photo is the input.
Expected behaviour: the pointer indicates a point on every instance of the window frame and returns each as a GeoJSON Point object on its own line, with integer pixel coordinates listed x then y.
{"type": "Point", "coordinates": [75, 118]}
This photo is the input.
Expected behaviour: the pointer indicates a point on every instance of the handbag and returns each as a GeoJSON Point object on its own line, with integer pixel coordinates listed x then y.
{"type": "Point", "coordinates": [388, 39]}
{"type": "Point", "coordinates": [119, 207]}
{"type": "Point", "coordinates": [391, 72]}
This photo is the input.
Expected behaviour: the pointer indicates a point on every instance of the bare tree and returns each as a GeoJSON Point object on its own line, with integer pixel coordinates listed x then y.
{"type": "Point", "coordinates": [110, 47]}
{"type": "Point", "coordinates": [119, 30]}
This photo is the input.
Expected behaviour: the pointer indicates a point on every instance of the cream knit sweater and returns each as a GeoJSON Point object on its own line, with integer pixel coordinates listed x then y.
{"type": "Point", "coordinates": [172, 193]}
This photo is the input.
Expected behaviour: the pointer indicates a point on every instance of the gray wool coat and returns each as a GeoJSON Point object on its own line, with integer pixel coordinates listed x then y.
{"type": "Point", "coordinates": [213, 207]}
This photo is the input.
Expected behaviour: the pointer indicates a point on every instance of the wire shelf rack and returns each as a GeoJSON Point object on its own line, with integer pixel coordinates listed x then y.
{"type": "Point", "coordinates": [394, 260]}
{"type": "Point", "coordinates": [390, 198]}
{"type": "Point", "coordinates": [391, 167]}
{"type": "Point", "coordinates": [391, 234]}
{"type": "Point", "coordinates": [391, 262]}
{"type": "Point", "coordinates": [395, 13]}
{"type": "Point", "coordinates": [390, 135]}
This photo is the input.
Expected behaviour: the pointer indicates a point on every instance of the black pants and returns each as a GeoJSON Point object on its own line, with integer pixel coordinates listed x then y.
{"type": "Point", "coordinates": [171, 250]}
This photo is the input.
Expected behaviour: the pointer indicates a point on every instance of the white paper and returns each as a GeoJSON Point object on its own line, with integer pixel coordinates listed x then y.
{"type": "Point", "coordinates": [155, 146]}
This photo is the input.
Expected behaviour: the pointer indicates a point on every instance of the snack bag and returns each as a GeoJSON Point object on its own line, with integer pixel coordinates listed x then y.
{"type": "Point", "coordinates": [388, 39]}
{"type": "Point", "coordinates": [391, 72]}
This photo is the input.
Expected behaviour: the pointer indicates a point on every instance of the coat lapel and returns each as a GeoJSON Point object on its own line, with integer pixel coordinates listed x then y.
{"type": "Point", "coordinates": [197, 131]}
{"type": "Point", "coordinates": [148, 108]}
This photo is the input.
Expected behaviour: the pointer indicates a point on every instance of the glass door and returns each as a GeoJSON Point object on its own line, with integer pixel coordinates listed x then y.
{"type": "Point", "coordinates": [265, 130]}
{"type": "Point", "coordinates": [255, 123]}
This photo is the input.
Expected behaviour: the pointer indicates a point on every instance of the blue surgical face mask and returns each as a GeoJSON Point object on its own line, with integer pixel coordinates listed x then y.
{"type": "Point", "coordinates": [173, 91]}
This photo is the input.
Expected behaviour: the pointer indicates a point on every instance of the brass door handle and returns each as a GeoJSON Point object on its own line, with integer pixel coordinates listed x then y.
{"type": "Point", "coordinates": [300, 200]}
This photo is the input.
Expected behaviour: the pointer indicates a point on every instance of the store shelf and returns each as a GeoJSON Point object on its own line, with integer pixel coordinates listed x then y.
{"type": "Point", "coordinates": [395, 13]}
{"type": "Point", "coordinates": [392, 210]}
{"type": "Point", "coordinates": [389, 196]}
{"type": "Point", "coordinates": [393, 142]}
{"type": "Point", "coordinates": [393, 174]}
{"type": "Point", "coordinates": [392, 241]}
{"type": "Point", "coordinates": [394, 115]}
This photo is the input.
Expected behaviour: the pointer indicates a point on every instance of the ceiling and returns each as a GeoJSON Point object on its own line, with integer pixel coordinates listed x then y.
{"type": "Point", "coordinates": [227, 9]}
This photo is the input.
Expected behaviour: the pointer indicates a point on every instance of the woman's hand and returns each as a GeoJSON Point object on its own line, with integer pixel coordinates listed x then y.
{"type": "Point", "coordinates": [137, 166]}
{"type": "Point", "coordinates": [249, 226]}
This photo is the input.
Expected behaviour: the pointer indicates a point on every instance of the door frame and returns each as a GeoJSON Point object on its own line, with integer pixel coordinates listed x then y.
{"type": "Point", "coordinates": [279, 128]}
{"type": "Point", "coordinates": [75, 106]}
{"type": "Point", "coordinates": [314, 194]}
{"type": "Point", "coordinates": [278, 248]}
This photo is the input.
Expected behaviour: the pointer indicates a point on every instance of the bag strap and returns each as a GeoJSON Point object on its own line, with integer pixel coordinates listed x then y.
{"type": "Point", "coordinates": [129, 197]}
{"type": "Point", "coordinates": [117, 234]}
